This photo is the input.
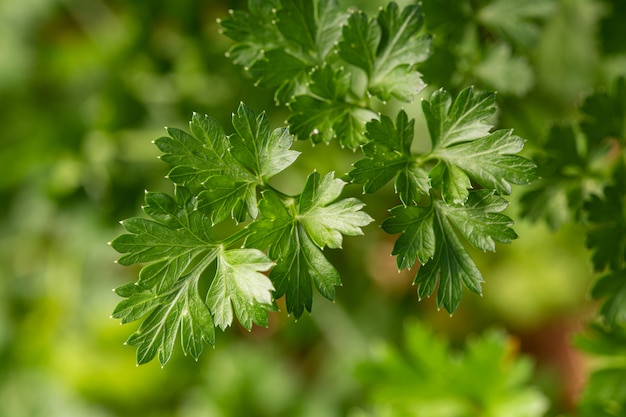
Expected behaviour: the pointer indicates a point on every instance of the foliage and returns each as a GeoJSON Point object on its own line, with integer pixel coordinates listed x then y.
{"type": "Point", "coordinates": [428, 378]}
{"type": "Point", "coordinates": [86, 85]}
{"type": "Point", "coordinates": [224, 175]}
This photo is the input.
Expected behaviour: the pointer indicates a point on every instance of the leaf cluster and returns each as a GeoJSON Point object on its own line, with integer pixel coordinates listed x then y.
{"type": "Point", "coordinates": [582, 178]}
{"type": "Point", "coordinates": [326, 64]}
{"type": "Point", "coordinates": [490, 42]}
{"type": "Point", "coordinates": [218, 178]}
{"type": "Point", "coordinates": [456, 188]}
{"type": "Point", "coordinates": [428, 378]}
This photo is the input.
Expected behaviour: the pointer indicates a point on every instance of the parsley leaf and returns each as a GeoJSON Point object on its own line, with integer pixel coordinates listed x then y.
{"type": "Point", "coordinates": [516, 19]}
{"type": "Point", "coordinates": [262, 152]}
{"type": "Point", "coordinates": [326, 113]}
{"type": "Point", "coordinates": [429, 236]}
{"type": "Point", "coordinates": [388, 49]}
{"type": "Point", "coordinates": [462, 120]}
{"type": "Point", "coordinates": [240, 285]}
{"type": "Point", "coordinates": [178, 247]}
{"type": "Point", "coordinates": [225, 171]}
{"type": "Point", "coordinates": [612, 288]}
{"type": "Point", "coordinates": [490, 161]}
{"type": "Point", "coordinates": [389, 156]}
{"type": "Point", "coordinates": [436, 188]}
{"type": "Point", "coordinates": [466, 150]}
{"type": "Point", "coordinates": [426, 377]}
{"type": "Point", "coordinates": [293, 37]}
{"type": "Point", "coordinates": [297, 232]}
{"type": "Point", "coordinates": [255, 31]}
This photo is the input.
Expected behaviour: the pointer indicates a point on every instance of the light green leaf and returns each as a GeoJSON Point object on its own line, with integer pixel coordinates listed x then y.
{"type": "Point", "coordinates": [176, 309]}
{"type": "Point", "coordinates": [327, 220]}
{"type": "Point", "coordinates": [517, 19]}
{"type": "Point", "coordinates": [505, 72]}
{"type": "Point", "coordinates": [178, 246]}
{"type": "Point", "coordinates": [239, 285]}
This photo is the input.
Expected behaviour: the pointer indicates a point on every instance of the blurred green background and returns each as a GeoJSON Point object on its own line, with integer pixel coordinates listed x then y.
{"type": "Point", "coordinates": [86, 85]}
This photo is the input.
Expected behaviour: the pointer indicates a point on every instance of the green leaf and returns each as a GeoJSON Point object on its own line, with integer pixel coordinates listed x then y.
{"type": "Point", "coordinates": [559, 193]}
{"type": "Point", "coordinates": [225, 197]}
{"type": "Point", "coordinates": [465, 119]}
{"type": "Point", "coordinates": [324, 220]}
{"type": "Point", "coordinates": [387, 49]}
{"type": "Point", "coordinates": [254, 31]}
{"type": "Point", "coordinates": [428, 235]}
{"type": "Point", "coordinates": [505, 72]}
{"type": "Point", "coordinates": [178, 246]}
{"type": "Point", "coordinates": [296, 233]}
{"type": "Point", "coordinates": [184, 237]}
{"type": "Point", "coordinates": [296, 21]}
{"type": "Point", "coordinates": [325, 114]}
{"type": "Point", "coordinates": [490, 161]}
{"type": "Point", "coordinates": [240, 285]}
{"type": "Point", "coordinates": [401, 48]}
{"type": "Point", "coordinates": [418, 234]}
{"type": "Point", "coordinates": [262, 152]}
{"type": "Point", "coordinates": [225, 172]}
{"type": "Point", "coordinates": [294, 37]}
{"type": "Point", "coordinates": [389, 156]}
{"type": "Point", "coordinates": [611, 288]}
{"type": "Point", "coordinates": [517, 19]}
{"type": "Point", "coordinates": [299, 263]}
{"type": "Point", "coordinates": [426, 377]}
{"type": "Point", "coordinates": [180, 308]}
{"type": "Point", "coordinates": [605, 114]}
{"type": "Point", "coordinates": [480, 221]}
{"type": "Point", "coordinates": [606, 237]}
{"type": "Point", "coordinates": [452, 181]}
{"type": "Point", "coordinates": [359, 42]}
{"type": "Point", "coordinates": [283, 72]}
{"type": "Point", "coordinates": [195, 157]}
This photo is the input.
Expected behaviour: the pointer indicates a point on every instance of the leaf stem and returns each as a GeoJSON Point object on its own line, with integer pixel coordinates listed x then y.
{"type": "Point", "coordinates": [235, 237]}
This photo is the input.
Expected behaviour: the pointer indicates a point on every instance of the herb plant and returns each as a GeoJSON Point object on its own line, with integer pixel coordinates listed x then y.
{"type": "Point", "coordinates": [231, 243]}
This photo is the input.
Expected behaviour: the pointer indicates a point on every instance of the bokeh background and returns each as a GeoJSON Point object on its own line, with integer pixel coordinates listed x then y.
{"type": "Point", "coordinates": [86, 85]}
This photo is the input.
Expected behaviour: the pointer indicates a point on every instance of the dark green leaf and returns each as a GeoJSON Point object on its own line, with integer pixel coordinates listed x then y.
{"type": "Point", "coordinates": [296, 234]}
{"type": "Point", "coordinates": [450, 267]}
{"type": "Point", "coordinates": [418, 235]}
{"type": "Point", "coordinates": [326, 114]}
{"type": "Point", "coordinates": [465, 119]}
{"type": "Point", "coordinates": [389, 156]}
{"type": "Point", "coordinates": [264, 153]}
{"type": "Point", "coordinates": [490, 161]}
{"type": "Point", "coordinates": [387, 49]}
